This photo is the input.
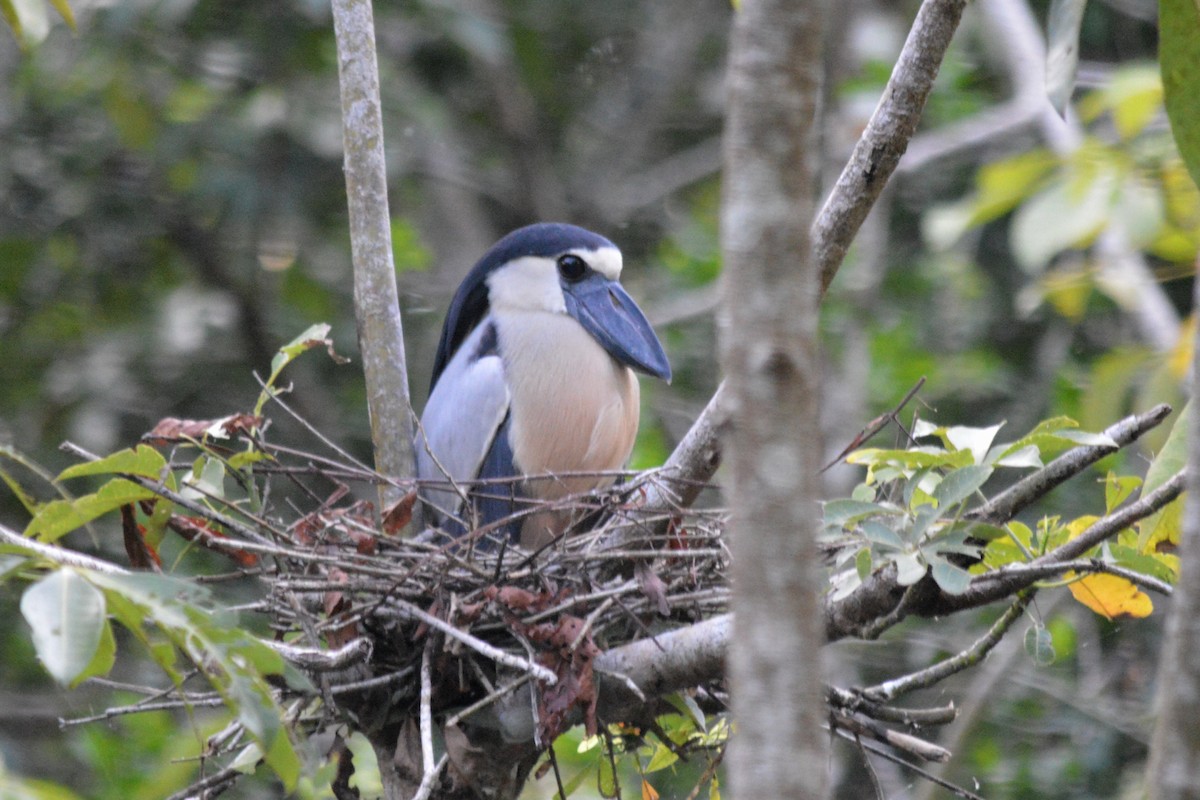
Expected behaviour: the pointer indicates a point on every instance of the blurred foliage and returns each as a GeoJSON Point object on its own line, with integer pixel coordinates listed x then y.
{"type": "Point", "coordinates": [172, 211]}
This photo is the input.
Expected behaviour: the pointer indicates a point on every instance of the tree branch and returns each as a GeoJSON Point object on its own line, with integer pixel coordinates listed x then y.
{"type": "Point", "coordinates": [376, 303]}
{"type": "Point", "coordinates": [925, 678]}
{"type": "Point", "coordinates": [880, 596]}
{"type": "Point", "coordinates": [887, 134]}
{"type": "Point", "coordinates": [1033, 487]}
{"type": "Point", "coordinates": [696, 458]}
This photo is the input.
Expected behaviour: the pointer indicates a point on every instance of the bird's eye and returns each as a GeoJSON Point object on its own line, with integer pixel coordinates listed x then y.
{"type": "Point", "coordinates": [572, 268]}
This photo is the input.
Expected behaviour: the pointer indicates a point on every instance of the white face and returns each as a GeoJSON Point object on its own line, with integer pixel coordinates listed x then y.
{"type": "Point", "coordinates": [531, 283]}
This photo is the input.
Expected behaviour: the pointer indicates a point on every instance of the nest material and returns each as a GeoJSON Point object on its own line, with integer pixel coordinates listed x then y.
{"type": "Point", "coordinates": [491, 616]}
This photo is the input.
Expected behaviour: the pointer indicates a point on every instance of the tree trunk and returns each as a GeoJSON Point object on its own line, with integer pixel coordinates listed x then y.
{"type": "Point", "coordinates": [1174, 768]}
{"type": "Point", "coordinates": [769, 355]}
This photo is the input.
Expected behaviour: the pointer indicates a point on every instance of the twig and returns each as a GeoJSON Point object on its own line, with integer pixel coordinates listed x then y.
{"type": "Point", "coordinates": [59, 555]}
{"type": "Point", "coordinates": [1024, 492]}
{"type": "Point", "coordinates": [427, 780]}
{"type": "Point", "coordinates": [957, 663]}
{"type": "Point", "coordinates": [992, 586]}
{"type": "Point", "coordinates": [1091, 566]}
{"type": "Point", "coordinates": [708, 775]}
{"type": "Point", "coordinates": [855, 701]}
{"type": "Point", "coordinates": [426, 715]}
{"type": "Point", "coordinates": [141, 707]}
{"type": "Point", "coordinates": [191, 505]}
{"type": "Point", "coordinates": [926, 751]}
{"type": "Point", "coordinates": [353, 652]}
{"type": "Point", "coordinates": [407, 610]}
{"type": "Point", "coordinates": [209, 787]}
{"type": "Point", "coordinates": [371, 683]}
{"type": "Point", "coordinates": [895, 759]}
{"type": "Point", "coordinates": [312, 429]}
{"type": "Point", "coordinates": [875, 426]}
{"type": "Point", "coordinates": [488, 700]}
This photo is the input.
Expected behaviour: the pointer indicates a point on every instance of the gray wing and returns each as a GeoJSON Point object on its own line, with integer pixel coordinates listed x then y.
{"type": "Point", "coordinates": [464, 415]}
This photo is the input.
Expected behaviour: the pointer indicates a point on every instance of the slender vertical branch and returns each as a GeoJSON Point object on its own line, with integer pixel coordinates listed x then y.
{"type": "Point", "coordinates": [886, 137]}
{"type": "Point", "coordinates": [376, 304]}
{"type": "Point", "coordinates": [770, 293]}
{"type": "Point", "coordinates": [862, 180]}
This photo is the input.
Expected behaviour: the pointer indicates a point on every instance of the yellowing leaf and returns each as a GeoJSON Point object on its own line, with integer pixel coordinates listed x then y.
{"type": "Point", "coordinates": [1179, 360]}
{"type": "Point", "coordinates": [1166, 524]}
{"type": "Point", "coordinates": [1068, 290]}
{"type": "Point", "coordinates": [648, 791]}
{"type": "Point", "coordinates": [1111, 596]}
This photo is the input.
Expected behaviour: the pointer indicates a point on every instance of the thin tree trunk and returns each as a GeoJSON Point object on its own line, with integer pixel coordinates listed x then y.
{"type": "Point", "coordinates": [376, 303]}
{"type": "Point", "coordinates": [769, 353]}
{"type": "Point", "coordinates": [1174, 768]}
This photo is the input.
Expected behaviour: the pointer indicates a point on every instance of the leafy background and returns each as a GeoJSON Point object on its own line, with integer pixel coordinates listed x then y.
{"type": "Point", "coordinates": [172, 211]}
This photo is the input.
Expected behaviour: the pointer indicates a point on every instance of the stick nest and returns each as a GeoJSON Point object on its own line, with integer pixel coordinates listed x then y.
{"type": "Point", "coordinates": [488, 616]}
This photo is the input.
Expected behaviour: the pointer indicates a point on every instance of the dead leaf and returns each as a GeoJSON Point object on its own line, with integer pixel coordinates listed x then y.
{"type": "Point", "coordinates": [576, 684]}
{"type": "Point", "coordinates": [653, 587]}
{"type": "Point", "coordinates": [396, 518]}
{"type": "Point", "coordinates": [201, 531]}
{"type": "Point", "coordinates": [170, 430]}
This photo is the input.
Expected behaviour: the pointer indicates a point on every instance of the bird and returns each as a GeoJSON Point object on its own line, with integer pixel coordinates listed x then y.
{"type": "Point", "coordinates": [534, 377]}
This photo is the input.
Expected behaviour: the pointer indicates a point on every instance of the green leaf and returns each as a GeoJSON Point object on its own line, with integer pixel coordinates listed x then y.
{"type": "Point", "coordinates": [977, 440]}
{"type": "Point", "coordinates": [1027, 456]}
{"type": "Point", "coordinates": [1004, 184]}
{"type": "Point", "coordinates": [686, 705]}
{"type": "Point", "coordinates": [863, 563]}
{"type": "Point", "coordinates": [1179, 57]}
{"type": "Point", "coordinates": [207, 478]}
{"type": "Point", "coordinates": [878, 533]}
{"type": "Point", "coordinates": [986, 532]}
{"type": "Point", "coordinates": [26, 499]}
{"type": "Point", "coordinates": [841, 512]}
{"type": "Point", "coordinates": [1118, 489]}
{"type": "Point", "coordinates": [914, 458]}
{"type": "Point", "coordinates": [1133, 95]}
{"type": "Point", "coordinates": [955, 542]}
{"type": "Point", "coordinates": [29, 20]}
{"type": "Point", "coordinates": [1089, 439]}
{"type": "Point", "coordinates": [314, 336]}
{"type": "Point", "coordinates": [662, 758]}
{"type": "Point", "coordinates": [9, 11]}
{"type": "Point", "coordinates": [246, 761]}
{"type": "Point", "coordinates": [142, 460]}
{"type": "Point", "coordinates": [182, 610]}
{"type": "Point", "coordinates": [57, 518]}
{"type": "Point", "coordinates": [1062, 51]}
{"type": "Point", "coordinates": [1079, 206]}
{"type": "Point", "coordinates": [64, 10]}
{"type": "Point", "coordinates": [1156, 565]}
{"type": "Point", "coordinates": [909, 569]}
{"type": "Point", "coordinates": [960, 484]}
{"type": "Point", "coordinates": [284, 761]}
{"type": "Point", "coordinates": [67, 616]}
{"type": "Point", "coordinates": [106, 655]}
{"type": "Point", "coordinates": [1165, 525]}
{"type": "Point", "coordinates": [952, 579]}
{"type": "Point", "coordinates": [606, 776]}
{"type": "Point", "coordinates": [1055, 434]}
{"type": "Point", "coordinates": [1039, 644]}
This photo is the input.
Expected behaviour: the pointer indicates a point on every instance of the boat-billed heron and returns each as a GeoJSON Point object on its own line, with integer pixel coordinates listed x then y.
{"type": "Point", "coordinates": [534, 378]}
